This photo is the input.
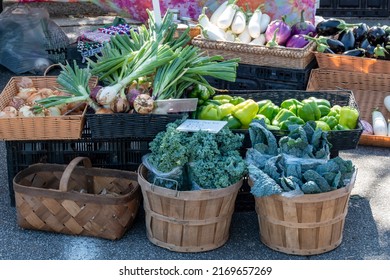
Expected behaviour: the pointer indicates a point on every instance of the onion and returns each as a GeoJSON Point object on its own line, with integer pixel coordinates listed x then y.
{"type": "Point", "coordinates": [53, 111]}
{"type": "Point", "coordinates": [94, 92]}
{"type": "Point", "coordinates": [131, 95]}
{"type": "Point", "coordinates": [103, 110]}
{"type": "Point", "coordinates": [143, 104]}
{"type": "Point", "coordinates": [120, 105]}
{"type": "Point", "coordinates": [25, 82]}
{"type": "Point", "coordinates": [367, 127]}
{"type": "Point", "coordinates": [35, 96]}
{"type": "Point", "coordinates": [27, 112]}
{"type": "Point", "coordinates": [26, 92]}
{"type": "Point", "coordinates": [16, 102]}
{"type": "Point", "coordinates": [9, 112]}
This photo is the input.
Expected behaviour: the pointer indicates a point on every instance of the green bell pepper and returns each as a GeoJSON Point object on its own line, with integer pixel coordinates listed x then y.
{"type": "Point", "coordinates": [340, 127]}
{"type": "Point", "coordinates": [236, 100]}
{"type": "Point", "coordinates": [330, 120]}
{"type": "Point", "coordinates": [335, 111]}
{"type": "Point", "coordinates": [262, 117]}
{"type": "Point", "coordinates": [282, 115]}
{"type": "Point", "coordinates": [233, 122]}
{"type": "Point", "coordinates": [322, 103]}
{"type": "Point", "coordinates": [226, 109]}
{"type": "Point", "coordinates": [201, 92]}
{"type": "Point", "coordinates": [292, 120]}
{"type": "Point", "coordinates": [245, 112]}
{"type": "Point", "coordinates": [210, 112]}
{"type": "Point", "coordinates": [309, 111]}
{"type": "Point", "coordinates": [323, 125]}
{"type": "Point", "coordinates": [268, 109]}
{"type": "Point", "coordinates": [349, 117]}
{"type": "Point", "coordinates": [291, 104]}
{"type": "Point", "coordinates": [222, 98]}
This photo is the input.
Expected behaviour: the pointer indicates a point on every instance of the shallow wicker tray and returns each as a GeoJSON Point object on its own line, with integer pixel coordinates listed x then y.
{"type": "Point", "coordinates": [39, 128]}
{"type": "Point", "coordinates": [369, 91]}
{"type": "Point", "coordinates": [258, 55]}
{"type": "Point", "coordinates": [341, 62]}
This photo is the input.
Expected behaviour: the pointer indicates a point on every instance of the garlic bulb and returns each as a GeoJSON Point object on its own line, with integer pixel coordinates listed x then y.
{"type": "Point", "coordinates": [143, 104]}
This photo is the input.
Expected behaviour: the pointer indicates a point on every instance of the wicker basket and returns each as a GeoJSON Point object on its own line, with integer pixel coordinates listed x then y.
{"type": "Point", "coordinates": [369, 91]}
{"type": "Point", "coordinates": [348, 63]}
{"type": "Point", "coordinates": [259, 55]}
{"type": "Point", "coordinates": [187, 221]}
{"type": "Point", "coordinates": [304, 225]}
{"type": "Point", "coordinates": [340, 140]}
{"type": "Point", "coordinates": [77, 200]}
{"type": "Point", "coordinates": [39, 128]}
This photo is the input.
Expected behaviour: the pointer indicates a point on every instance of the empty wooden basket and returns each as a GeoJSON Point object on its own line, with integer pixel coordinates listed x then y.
{"type": "Point", "coordinates": [187, 221]}
{"type": "Point", "coordinates": [77, 200]}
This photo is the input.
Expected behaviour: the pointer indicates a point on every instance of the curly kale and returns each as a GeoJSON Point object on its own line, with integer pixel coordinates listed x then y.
{"type": "Point", "coordinates": [219, 172]}
{"type": "Point", "coordinates": [213, 159]}
{"type": "Point", "coordinates": [169, 149]}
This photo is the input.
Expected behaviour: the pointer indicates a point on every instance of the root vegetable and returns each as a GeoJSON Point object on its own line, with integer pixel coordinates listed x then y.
{"type": "Point", "coordinates": [120, 105]}
{"type": "Point", "coordinates": [9, 112]}
{"type": "Point", "coordinates": [17, 102]}
{"type": "Point", "coordinates": [143, 104]}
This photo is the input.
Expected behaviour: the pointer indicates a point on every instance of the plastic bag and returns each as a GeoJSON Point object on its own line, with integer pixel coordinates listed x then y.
{"type": "Point", "coordinates": [30, 40]}
{"type": "Point", "coordinates": [175, 179]}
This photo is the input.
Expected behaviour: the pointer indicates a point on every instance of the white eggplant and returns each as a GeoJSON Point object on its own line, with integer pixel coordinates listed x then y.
{"type": "Point", "coordinates": [259, 41]}
{"type": "Point", "coordinates": [218, 12]}
{"type": "Point", "coordinates": [386, 102]}
{"type": "Point", "coordinates": [254, 23]}
{"type": "Point", "coordinates": [239, 22]}
{"type": "Point", "coordinates": [209, 30]}
{"type": "Point", "coordinates": [264, 22]}
{"type": "Point", "coordinates": [244, 37]}
{"type": "Point", "coordinates": [226, 18]}
{"type": "Point", "coordinates": [379, 123]}
{"type": "Point", "coordinates": [230, 36]}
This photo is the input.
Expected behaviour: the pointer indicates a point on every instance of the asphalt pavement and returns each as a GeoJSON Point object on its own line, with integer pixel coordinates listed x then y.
{"type": "Point", "coordinates": [366, 234]}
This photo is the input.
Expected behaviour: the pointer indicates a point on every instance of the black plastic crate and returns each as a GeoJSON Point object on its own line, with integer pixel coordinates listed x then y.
{"type": "Point", "coordinates": [353, 8]}
{"type": "Point", "coordinates": [253, 77]}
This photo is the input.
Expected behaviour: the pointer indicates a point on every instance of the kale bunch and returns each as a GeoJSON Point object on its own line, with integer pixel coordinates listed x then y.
{"type": "Point", "coordinates": [306, 142]}
{"type": "Point", "coordinates": [209, 160]}
{"type": "Point", "coordinates": [169, 149]}
{"type": "Point", "coordinates": [301, 164]}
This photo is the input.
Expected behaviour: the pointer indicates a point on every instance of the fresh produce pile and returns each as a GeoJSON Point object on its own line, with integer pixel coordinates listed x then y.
{"type": "Point", "coordinates": [379, 126]}
{"type": "Point", "coordinates": [298, 164]}
{"type": "Point", "coordinates": [134, 71]}
{"type": "Point", "coordinates": [198, 160]}
{"type": "Point", "coordinates": [240, 112]}
{"type": "Point", "coordinates": [335, 36]}
{"type": "Point", "coordinates": [231, 23]}
{"type": "Point", "coordinates": [23, 104]}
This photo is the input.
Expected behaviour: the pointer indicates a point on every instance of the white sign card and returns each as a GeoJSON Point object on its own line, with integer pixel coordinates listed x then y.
{"type": "Point", "coordinates": [204, 125]}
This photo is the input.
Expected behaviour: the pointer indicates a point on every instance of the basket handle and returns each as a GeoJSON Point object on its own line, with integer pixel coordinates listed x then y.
{"type": "Point", "coordinates": [69, 169]}
{"type": "Point", "coordinates": [50, 67]}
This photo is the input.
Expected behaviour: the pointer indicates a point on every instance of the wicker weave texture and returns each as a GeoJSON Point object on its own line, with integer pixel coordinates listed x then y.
{"type": "Point", "coordinates": [348, 63]}
{"type": "Point", "coordinates": [258, 55]}
{"type": "Point", "coordinates": [369, 91]}
{"type": "Point", "coordinates": [96, 202]}
{"type": "Point", "coordinates": [39, 128]}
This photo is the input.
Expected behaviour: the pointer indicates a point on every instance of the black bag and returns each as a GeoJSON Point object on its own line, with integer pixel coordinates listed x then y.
{"type": "Point", "coordinates": [30, 40]}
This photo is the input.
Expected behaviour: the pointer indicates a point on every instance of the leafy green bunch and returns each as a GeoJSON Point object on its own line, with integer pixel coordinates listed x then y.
{"type": "Point", "coordinates": [212, 160]}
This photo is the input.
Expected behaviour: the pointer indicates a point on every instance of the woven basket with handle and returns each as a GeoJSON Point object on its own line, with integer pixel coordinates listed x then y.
{"type": "Point", "coordinates": [77, 200]}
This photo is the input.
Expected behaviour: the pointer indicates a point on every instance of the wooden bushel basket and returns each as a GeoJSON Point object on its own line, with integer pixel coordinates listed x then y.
{"type": "Point", "coordinates": [77, 200]}
{"type": "Point", "coordinates": [187, 221]}
{"type": "Point", "coordinates": [310, 224]}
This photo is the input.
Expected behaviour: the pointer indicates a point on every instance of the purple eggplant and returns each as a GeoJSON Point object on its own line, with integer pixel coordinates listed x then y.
{"type": "Point", "coordinates": [303, 26]}
{"type": "Point", "coordinates": [376, 35]}
{"type": "Point", "coordinates": [284, 31]}
{"type": "Point", "coordinates": [297, 41]}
